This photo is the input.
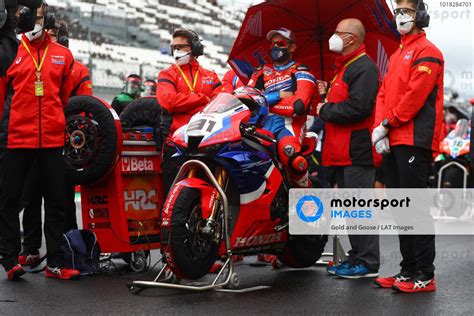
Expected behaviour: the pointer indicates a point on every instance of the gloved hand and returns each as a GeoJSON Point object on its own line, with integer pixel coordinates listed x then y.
{"type": "Point", "coordinates": [379, 133]}
{"type": "Point", "coordinates": [272, 97]}
{"type": "Point", "coordinates": [382, 147]}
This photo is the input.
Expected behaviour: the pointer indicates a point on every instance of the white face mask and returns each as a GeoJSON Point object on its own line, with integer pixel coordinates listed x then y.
{"type": "Point", "coordinates": [336, 44]}
{"type": "Point", "coordinates": [35, 34]}
{"type": "Point", "coordinates": [405, 23]}
{"type": "Point", "coordinates": [182, 58]}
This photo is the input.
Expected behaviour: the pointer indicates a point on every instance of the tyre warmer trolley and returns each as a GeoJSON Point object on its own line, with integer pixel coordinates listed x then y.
{"type": "Point", "coordinates": [123, 209]}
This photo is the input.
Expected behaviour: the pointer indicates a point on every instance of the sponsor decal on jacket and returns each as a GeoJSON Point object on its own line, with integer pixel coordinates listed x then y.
{"type": "Point", "coordinates": [207, 80]}
{"type": "Point", "coordinates": [425, 69]}
{"type": "Point", "coordinates": [58, 60]}
{"type": "Point", "coordinates": [409, 55]}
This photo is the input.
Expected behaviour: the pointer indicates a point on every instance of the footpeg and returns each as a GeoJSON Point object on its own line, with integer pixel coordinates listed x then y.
{"type": "Point", "coordinates": [281, 227]}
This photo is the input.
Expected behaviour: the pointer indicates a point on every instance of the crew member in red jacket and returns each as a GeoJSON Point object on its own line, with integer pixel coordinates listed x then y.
{"type": "Point", "coordinates": [32, 197]}
{"type": "Point", "coordinates": [348, 114]}
{"type": "Point", "coordinates": [231, 81]}
{"type": "Point", "coordinates": [409, 115]}
{"type": "Point", "coordinates": [183, 90]}
{"type": "Point", "coordinates": [32, 129]}
{"type": "Point", "coordinates": [80, 75]}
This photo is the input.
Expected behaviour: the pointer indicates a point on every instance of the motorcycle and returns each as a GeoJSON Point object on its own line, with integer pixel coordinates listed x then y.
{"type": "Point", "coordinates": [453, 164]}
{"type": "Point", "coordinates": [230, 196]}
{"type": "Point", "coordinates": [453, 161]}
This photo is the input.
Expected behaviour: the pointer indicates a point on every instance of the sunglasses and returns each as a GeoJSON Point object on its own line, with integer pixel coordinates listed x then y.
{"type": "Point", "coordinates": [280, 44]}
{"type": "Point", "coordinates": [179, 46]}
{"type": "Point", "coordinates": [403, 11]}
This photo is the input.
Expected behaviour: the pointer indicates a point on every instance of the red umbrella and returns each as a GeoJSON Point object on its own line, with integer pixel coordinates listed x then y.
{"type": "Point", "coordinates": [313, 23]}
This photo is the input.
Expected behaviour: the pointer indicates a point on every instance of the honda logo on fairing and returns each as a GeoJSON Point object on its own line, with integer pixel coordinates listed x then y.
{"type": "Point", "coordinates": [258, 240]}
{"type": "Point", "coordinates": [140, 200]}
{"type": "Point", "coordinates": [137, 164]}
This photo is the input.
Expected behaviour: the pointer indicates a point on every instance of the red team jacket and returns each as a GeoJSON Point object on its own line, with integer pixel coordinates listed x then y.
{"type": "Point", "coordinates": [179, 103]}
{"type": "Point", "coordinates": [30, 121]}
{"type": "Point", "coordinates": [231, 81]}
{"type": "Point", "coordinates": [82, 80]}
{"type": "Point", "coordinates": [349, 112]}
{"type": "Point", "coordinates": [411, 96]}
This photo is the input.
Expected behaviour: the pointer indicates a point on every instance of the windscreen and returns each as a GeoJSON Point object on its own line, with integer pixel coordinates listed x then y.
{"type": "Point", "coordinates": [222, 103]}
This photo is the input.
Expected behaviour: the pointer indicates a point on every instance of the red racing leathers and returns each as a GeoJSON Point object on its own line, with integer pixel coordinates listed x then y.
{"type": "Point", "coordinates": [288, 116]}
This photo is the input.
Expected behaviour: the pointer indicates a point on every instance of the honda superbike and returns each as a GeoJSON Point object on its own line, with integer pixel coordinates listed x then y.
{"type": "Point", "coordinates": [453, 164]}
{"type": "Point", "coordinates": [230, 197]}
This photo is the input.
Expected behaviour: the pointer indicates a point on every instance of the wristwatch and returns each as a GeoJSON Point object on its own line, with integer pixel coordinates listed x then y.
{"type": "Point", "coordinates": [386, 124]}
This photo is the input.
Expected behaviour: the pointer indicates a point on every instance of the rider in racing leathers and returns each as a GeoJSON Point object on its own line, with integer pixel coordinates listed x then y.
{"type": "Point", "coordinates": [288, 87]}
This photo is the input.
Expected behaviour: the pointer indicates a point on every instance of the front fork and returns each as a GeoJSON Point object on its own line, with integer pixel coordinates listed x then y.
{"type": "Point", "coordinates": [211, 227]}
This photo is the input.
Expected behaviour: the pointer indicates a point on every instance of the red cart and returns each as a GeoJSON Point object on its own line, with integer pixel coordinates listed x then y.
{"type": "Point", "coordinates": [122, 207]}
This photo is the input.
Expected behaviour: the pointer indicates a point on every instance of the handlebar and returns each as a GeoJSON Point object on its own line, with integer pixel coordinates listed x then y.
{"type": "Point", "coordinates": [252, 131]}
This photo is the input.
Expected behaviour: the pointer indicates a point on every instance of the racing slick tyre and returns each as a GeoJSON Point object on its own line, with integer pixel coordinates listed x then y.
{"type": "Point", "coordinates": [192, 256]}
{"type": "Point", "coordinates": [93, 139]}
{"type": "Point", "coordinates": [303, 251]}
{"type": "Point", "coordinates": [143, 112]}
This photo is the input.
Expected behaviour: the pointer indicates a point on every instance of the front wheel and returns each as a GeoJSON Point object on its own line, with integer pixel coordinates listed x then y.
{"type": "Point", "coordinates": [191, 254]}
{"type": "Point", "coordinates": [303, 251]}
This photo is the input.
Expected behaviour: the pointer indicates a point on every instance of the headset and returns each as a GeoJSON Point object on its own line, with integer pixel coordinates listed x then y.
{"type": "Point", "coordinates": [422, 18]}
{"type": "Point", "coordinates": [197, 48]}
{"type": "Point", "coordinates": [49, 21]}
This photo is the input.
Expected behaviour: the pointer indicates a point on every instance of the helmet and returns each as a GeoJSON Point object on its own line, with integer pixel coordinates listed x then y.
{"type": "Point", "coordinates": [149, 88]}
{"type": "Point", "coordinates": [133, 85]}
{"type": "Point", "coordinates": [256, 102]}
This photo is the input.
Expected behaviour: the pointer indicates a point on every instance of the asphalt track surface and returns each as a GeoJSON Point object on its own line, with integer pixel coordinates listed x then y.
{"type": "Point", "coordinates": [285, 291]}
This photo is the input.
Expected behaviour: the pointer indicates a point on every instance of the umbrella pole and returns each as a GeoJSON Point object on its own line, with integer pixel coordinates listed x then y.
{"type": "Point", "coordinates": [321, 50]}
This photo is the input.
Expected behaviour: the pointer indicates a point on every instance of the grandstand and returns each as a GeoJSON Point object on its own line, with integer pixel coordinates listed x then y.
{"type": "Point", "coordinates": [135, 35]}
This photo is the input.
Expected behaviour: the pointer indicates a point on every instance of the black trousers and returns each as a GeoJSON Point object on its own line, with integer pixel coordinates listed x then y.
{"type": "Point", "coordinates": [409, 167]}
{"type": "Point", "coordinates": [14, 170]}
{"type": "Point", "coordinates": [170, 167]}
{"type": "Point", "coordinates": [364, 248]}
{"type": "Point", "coordinates": [32, 200]}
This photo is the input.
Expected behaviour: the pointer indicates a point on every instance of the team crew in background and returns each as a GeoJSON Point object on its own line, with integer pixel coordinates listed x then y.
{"type": "Point", "coordinates": [38, 86]}
{"type": "Point", "coordinates": [408, 127]}
{"type": "Point", "coordinates": [348, 114]}
{"type": "Point", "coordinates": [183, 90]}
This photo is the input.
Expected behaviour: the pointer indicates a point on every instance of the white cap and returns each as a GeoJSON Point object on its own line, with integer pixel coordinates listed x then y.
{"type": "Point", "coordinates": [286, 33]}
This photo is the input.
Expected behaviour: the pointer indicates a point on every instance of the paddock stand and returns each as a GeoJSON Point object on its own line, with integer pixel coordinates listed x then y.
{"type": "Point", "coordinates": [338, 254]}
{"type": "Point", "coordinates": [230, 279]}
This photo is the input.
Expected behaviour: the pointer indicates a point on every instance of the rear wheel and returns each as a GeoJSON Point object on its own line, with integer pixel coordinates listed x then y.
{"type": "Point", "coordinates": [193, 254]}
{"type": "Point", "coordinates": [303, 251]}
